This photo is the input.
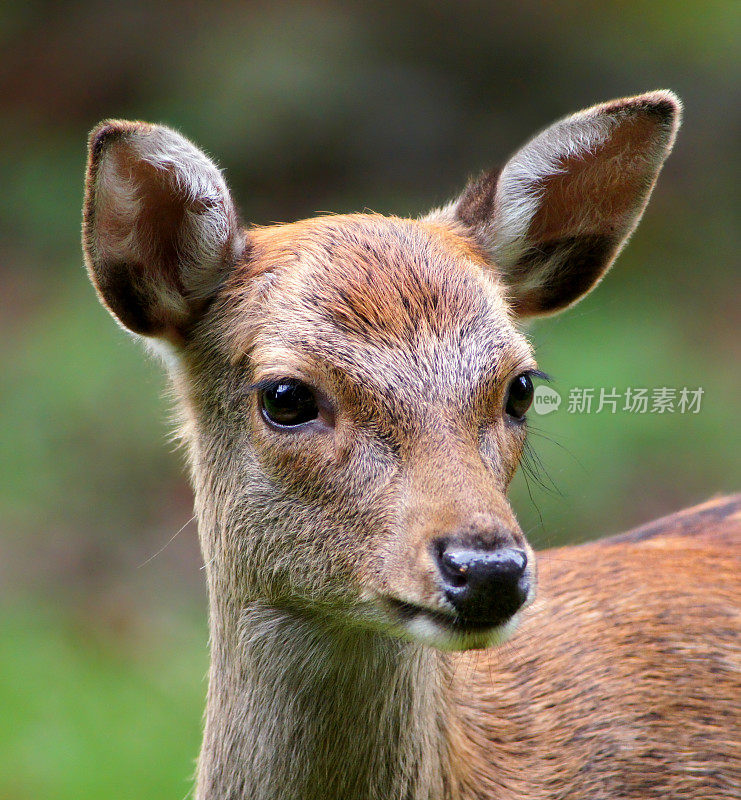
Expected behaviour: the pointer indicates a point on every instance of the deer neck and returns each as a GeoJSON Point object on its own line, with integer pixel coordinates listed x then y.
{"type": "Point", "coordinates": [299, 710]}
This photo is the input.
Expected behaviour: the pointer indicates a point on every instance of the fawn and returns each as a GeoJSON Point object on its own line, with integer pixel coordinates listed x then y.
{"type": "Point", "coordinates": [354, 393]}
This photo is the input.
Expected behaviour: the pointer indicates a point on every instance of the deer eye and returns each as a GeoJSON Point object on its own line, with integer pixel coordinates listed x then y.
{"type": "Point", "coordinates": [519, 396]}
{"type": "Point", "coordinates": [288, 403]}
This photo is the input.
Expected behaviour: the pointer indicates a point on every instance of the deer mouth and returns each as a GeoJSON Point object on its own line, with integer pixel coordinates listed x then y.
{"type": "Point", "coordinates": [449, 631]}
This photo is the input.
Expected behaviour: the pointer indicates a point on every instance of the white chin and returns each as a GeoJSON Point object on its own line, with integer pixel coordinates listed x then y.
{"type": "Point", "coordinates": [426, 630]}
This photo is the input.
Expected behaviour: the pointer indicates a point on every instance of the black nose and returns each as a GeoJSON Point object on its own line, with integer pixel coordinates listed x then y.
{"type": "Point", "coordinates": [486, 587]}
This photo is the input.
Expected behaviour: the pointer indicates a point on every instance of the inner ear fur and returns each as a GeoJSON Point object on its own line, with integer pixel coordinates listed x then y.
{"type": "Point", "coordinates": [552, 221]}
{"type": "Point", "coordinates": [160, 230]}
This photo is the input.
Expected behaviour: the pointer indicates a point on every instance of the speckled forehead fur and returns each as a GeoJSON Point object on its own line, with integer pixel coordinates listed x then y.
{"type": "Point", "coordinates": [388, 302]}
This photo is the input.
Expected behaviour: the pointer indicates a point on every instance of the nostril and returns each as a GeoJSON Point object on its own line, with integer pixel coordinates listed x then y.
{"type": "Point", "coordinates": [452, 567]}
{"type": "Point", "coordinates": [514, 562]}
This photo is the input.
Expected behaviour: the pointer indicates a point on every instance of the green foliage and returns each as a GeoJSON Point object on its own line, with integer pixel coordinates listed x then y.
{"type": "Point", "coordinates": [90, 713]}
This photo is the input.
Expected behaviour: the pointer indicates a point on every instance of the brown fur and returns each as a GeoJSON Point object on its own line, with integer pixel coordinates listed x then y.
{"type": "Point", "coordinates": [318, 541]}
{"type": "Point", "coordinates": [625, 677]}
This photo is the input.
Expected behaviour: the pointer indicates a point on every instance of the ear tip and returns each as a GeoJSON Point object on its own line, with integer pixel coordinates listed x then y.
{"type": "Point", "coordinates": [665, 96]}
{"type": "Point", "coordinates": [665, 104]}
{"type": "Point", "coordinates": [662, 104]}
{"type": "Point", "coordinates": [107, 131]}
{"type": "Point", "coordinates": [666, 108]}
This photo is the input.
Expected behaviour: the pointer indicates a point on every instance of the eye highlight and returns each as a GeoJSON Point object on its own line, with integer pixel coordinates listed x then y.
{"type": "Point", "coordinates": [519, 396]}
{"type": "Point", "coordinates": [288, 403]}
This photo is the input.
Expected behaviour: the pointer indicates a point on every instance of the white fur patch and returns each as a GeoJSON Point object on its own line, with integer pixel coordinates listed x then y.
{"type": "Point", "coordinates": [426, 630]}
{"type": "Point", "coordinates": [520, 193]}
{"type": "Point", "coordinates": [199, 181]}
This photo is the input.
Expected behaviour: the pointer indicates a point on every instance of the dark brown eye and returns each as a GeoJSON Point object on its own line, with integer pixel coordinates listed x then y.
{"type": "Point", "coordinates": [519, 396]}
{"type": "Point", "coordinates": [289, 403]}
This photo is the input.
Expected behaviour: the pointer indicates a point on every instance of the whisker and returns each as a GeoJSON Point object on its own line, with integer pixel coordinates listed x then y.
{"type": "Point", "coordinates": [167, 543]}
{"type": "Point", "coordinates": [542, 435]}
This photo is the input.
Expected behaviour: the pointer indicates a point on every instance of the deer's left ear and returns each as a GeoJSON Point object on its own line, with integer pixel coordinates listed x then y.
{"type": "Point", "coordinates": [554, 219]}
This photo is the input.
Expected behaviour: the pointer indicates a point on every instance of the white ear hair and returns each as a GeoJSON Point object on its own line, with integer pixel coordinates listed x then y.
{"type": "Point", "coordinates": [160, 225]}
{"type": "Point", "coordinates": [556, 216]}
{"type": "Point", "coordinates": [202, 190]}
{"type": "Point", "coordinates": [521, 183]}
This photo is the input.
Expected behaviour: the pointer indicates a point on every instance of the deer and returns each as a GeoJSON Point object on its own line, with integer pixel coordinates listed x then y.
{"type": "Point", "coordinates": [353, 393]}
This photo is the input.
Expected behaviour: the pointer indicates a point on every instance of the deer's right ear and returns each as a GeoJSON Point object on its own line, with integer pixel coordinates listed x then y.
{"type": "Point", "coordinates": [160, 230]}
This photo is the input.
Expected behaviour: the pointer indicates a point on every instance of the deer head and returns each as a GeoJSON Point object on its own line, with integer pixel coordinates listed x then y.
{"type": "Point", "coordinates": [354, 388]}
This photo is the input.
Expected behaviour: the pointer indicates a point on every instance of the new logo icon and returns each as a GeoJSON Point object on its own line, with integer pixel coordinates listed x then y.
{"type": "Point", "coordinates": [545, 400]}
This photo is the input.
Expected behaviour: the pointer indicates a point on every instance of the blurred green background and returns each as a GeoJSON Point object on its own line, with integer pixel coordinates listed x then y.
{"type": "Point", "coordinates": [314, 107]}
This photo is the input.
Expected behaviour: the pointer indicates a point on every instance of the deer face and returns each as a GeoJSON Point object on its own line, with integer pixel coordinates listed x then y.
{"type": "Point", "coordinates": [355, 387]}
{"type": "Point", "coordinates": [370, 365]}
